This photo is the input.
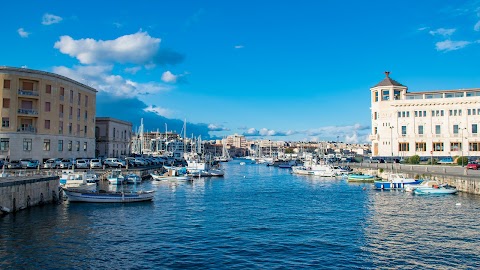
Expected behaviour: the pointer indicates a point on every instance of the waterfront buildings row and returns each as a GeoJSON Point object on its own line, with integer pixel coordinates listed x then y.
{"type": "Point", "coordinates": [429, 123]}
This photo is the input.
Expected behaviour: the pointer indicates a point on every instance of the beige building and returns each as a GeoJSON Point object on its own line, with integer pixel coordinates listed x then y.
{"type": "Point", "coordinates": [113, 137]}
{"type": "Point", "coordinates": [45, 115]}
{"type": "Point", "coordinates": [431, 123]}
{"type": "Point", "coordinates": [235, 140]}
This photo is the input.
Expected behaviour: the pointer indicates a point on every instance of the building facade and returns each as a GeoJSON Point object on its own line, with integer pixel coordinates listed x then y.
{"type": "Point", "coordinates": [113, 137]}
{"type": "Point", "coordinates": [235, 140]}
{"type": "Point", "coordinates": [45, 115]}
{"type": "Point", "coordinates": [429, 124]}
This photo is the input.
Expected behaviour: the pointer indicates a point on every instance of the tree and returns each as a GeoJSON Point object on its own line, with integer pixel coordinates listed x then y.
{"type": "Point", "coordinates": [414, 159]}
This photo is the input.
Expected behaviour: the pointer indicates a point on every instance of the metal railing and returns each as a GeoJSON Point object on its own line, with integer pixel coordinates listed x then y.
{"type": "Point", "coordinates": [28, 111]}
{"type": "Point", "coordinates": [30, 129]}
{"type": "Point", "coordinates": [28, 93]}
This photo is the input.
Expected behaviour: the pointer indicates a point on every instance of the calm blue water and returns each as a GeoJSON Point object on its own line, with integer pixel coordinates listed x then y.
{"type": "Point", "coordinates": [257, 217]}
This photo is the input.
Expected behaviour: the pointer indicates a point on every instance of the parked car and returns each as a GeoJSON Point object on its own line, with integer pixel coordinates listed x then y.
{"type": "Point", "coordinates": [52, 163]}
{"type": "Point", "coordinates": [66, 163]}
{"type": "Point", "coordinates": [95, 163]}
{"type": "Point", "coordinates": [114, 162]}
{"type": "Point", "coordinates": [14, 164]}
{"type": "Point", "coordinates": [473, 166]}
{"type": "Point", "coordinates": [33, 164]}
{"type": "Point", "coordinates": [81, 164]}
{"type": "Point", "coordinates": [24, 162]}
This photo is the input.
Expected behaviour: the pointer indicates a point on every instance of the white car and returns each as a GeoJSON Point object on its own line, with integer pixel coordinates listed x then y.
{"type": "Point", "coordinates": [95, 163]}
{"type": "Point", "coordinates": [82, 164]}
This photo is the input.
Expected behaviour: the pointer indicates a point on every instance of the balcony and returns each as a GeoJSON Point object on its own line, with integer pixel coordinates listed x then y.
{"type": "Point", "coordinates": [62, 98]}
{"type": "Point", "coordinates": [28, 93]}
{"type": "Point", "coordinates": [28, 112]}
{"type": "Point", "coordinates": [28, 129]}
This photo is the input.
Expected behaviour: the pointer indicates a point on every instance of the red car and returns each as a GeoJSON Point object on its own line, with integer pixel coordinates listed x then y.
{"type": "Point", "coordinates": [473, 166]}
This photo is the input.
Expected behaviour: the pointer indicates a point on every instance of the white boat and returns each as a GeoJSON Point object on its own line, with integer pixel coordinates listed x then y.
{"type": "Point", "coordinates": [76, 180]}
{"type": "Point", "coordinates": [171, 174]}
{"type": "Point", "coordinates": [431, 187]}
{"type": "Point", "coordinates": [395, 181]}
{"type": "Point", "coordinates": [425, 184]}
{"type": "Point", "coordinates": [116, 177]}
{"type": "Point", "coordinates": [133, 179]}
{"type": "Point", "coordinates": [315, 169]}
{"type": "Point", "coordinates": [204, 169]}
{"type": "Point", "coordinates": [75, 195]}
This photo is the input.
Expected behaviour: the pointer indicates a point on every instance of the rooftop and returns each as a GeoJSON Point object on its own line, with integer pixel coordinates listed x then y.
{"type": "Point", "coordinates": [388, 81]}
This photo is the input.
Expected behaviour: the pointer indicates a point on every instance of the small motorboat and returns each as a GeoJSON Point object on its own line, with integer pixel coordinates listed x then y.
{"type": "Point", "coordinates": [360, 177]}
{"type": "Point", "coordinates": [436, 190]}
{"type": "Point", "coordinates": [133, 179]}
{"type": "Point", "coordinates": [396, 181]}
{"type": "Point", "coordinates": [102, 196]}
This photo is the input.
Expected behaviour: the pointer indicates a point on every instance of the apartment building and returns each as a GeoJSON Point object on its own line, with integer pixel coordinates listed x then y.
{"type": "Point", "coordinates": [430, 123]}
{"type": "Point", "coordinates": [45, 115]}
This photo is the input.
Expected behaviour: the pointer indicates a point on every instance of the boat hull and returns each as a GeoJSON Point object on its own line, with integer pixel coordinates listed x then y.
{"type": "Point", "coordinates": [435, 191]}
{"type": "Point", "coordinates": [393, 185]}
{"type": "Point", "coordinates": [108, 197]}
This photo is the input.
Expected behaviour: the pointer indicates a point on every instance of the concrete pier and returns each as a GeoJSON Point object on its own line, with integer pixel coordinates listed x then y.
{"type": "Point", "coordinates": [17, 193]}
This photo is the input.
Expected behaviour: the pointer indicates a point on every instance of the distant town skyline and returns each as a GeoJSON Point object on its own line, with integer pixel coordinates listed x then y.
{"type": "Point", "coordinates": [279, 71]}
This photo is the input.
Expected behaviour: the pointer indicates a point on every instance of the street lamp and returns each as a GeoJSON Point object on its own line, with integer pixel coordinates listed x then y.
{"type": "Point", "coordinates": [391, 144]}
{"type": "Point", "coordinates": [461, 140]}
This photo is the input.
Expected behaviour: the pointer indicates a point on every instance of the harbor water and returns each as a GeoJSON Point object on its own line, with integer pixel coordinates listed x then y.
{"type": "Point", "coordinates": [256, 217]}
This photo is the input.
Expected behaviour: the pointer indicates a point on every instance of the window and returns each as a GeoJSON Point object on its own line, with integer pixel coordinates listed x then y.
{"type": "Point", "coordinates": [455, 129]}
{"type": "Point", "coordinates": [46, 145]}
{"type": "Point", "coordinates": [375, 98]}
{"type": "Point", "coordinates": [78, 129]}
{"type": "Point", "coordinates": [60, 111]}
{"type": "Point", "coordinates": [70, 128]}
{"type": "Point", "coordinates": [5, 122]}
{"type": "Point", "coordinates": [86, 115]}
{"type": "Point", "coordinates": [404, 146]}
{"type": "Point", "coordinates": [404, 131]}
{"type": "Point", "coordinates": [27, 144]}
{"type": "Point", "coordinates": [385, 94]}
{"type": "Point", "coordinates": [79, 99]}
{"type": "Point", "coordinates": [47, 106]}
{"type": "Point", "coordinates": [455, 146]}
{"type": "Point", "coordinates": [86, 101]}
{"type": "Point", "coordinates": [375, 130]}
{"type": "Point", "coordinates": [60, 127]}
{"type": "Point", "coordinates": [438, 129]}
{"type": "Point", "coordinates": [4, 144]}
{"type": "Point", "coordinates": [48, 89]}
{"type": "Point", "coordinates": [114, 133]}
{"type": "Point", "coordinates": [437, 146]}
{"type": "Point", "coordinates": [420, 147]}
{"type": "Point", "coordinates": [6, 103]}
{"type": "Point", "coordinates": [473, 146]}
{"type": "Point", "coordinates": [71, 96]}
{"type": "Point", "coordinates": [77, 146]}
{"type": "Point", "coordinates": [85, 146]}
{"type": "Point", "coordinates": [69, 147]}
{"type": "Point", "coordinates": [396, 94]}
{"type": "Point", "coordinates": [6, 84]}
{"type": "Point", "coordinates": [71, 113]}
{"type": "Point", "coordinates": [420, 130]}
{"type": "Point", "coordinates": [60, 145]}
{"type": "Point", "coordinates": [78, 114]}
{"type": "Point", "coordinates": [47, 124]}
{"type": "Point", "coordinates": [62, 93]}
{"type": "Point", "coordinates": [474, 128]}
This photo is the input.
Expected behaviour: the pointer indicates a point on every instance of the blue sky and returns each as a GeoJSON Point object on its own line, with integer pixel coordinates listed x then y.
{"type": "Point", "coordinates": [282, 70]}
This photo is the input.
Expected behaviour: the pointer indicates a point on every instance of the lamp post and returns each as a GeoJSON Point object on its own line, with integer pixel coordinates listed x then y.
{"type": "Point", "coordinates": [391, 144]}
{"type": "Point", "coordinates": [462, 144]}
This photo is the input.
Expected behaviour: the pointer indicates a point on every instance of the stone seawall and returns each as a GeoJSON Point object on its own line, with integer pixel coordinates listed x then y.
{"type": "Point", "coordinates": [17, 193]}
{"type": "Point", "coordinates": [464, 183]}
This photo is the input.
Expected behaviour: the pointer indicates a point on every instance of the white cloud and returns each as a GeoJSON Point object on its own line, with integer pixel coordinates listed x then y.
{"type": "Point", "coordinates": [268, 132]}
{"type": "Point", "coordinates": [49, 19]}
{"type": "Point", "coordinates": [448, 45]}
{"type": "Point", "coordinates": [23, 33]}
{"type": "Point", "coordinates": [168, 77]}
{"type": "Point", "coordinates": [423, 28]}
{"type": "Point", "coordinates": [132, 70]}
{"type": "Point", "coordinates": [139, 48]}
{"type": "Point", "coordinates": [100, 78]}
{"type": "Point", "coordinates": [215, 127]}
{"type": "Point", "coordinates": [118, 25]}
{"type": "Point", "coordinates": [477, 26]}
{"type": "Point", "coordinates": [443, 32]}
{"type": "Point", "coordinates": [158, 110]}
{"type": "Point", "coordinates": [239, 46]}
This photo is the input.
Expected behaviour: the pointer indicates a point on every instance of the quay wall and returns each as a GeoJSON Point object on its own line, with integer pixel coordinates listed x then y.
{"type": "Point", "coordinates": [21, 193]}
{"type": "Point", "coordinates": [463, 180]}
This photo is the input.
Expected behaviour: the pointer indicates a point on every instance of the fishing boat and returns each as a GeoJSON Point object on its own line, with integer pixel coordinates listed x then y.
{"type": "Point", "coordinates": [360, 177]}
{"type": "Point", "coordinates": [133, 178]}
{"type": "Point", "coordinates": [102, 196]}
{"type": "Point", "coordinates": [76, 180]}
{"type": "Point", "coordinates": [436, 190]}
{"type": "Point", "coordinates": [116, 177]}
{"type": "Point", "coordinates": [425, 184]}
{"type": "Point", "coordinates": [396, 181]}
{"type": "Point", "coordinates": [171, 174]}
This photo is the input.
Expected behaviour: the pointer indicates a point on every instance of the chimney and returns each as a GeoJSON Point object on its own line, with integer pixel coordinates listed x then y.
{"type": "Point", "coordinates": [387, 73]}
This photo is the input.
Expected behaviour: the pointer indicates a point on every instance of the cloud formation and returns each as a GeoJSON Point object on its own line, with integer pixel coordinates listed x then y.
{"type": "Point", "coordinates": [215, 127]}
{"type": "Point", "coordinates": [23, 33]}
{"type": "Point", "coordinates": [139, 48]}
{"type": "Point", "coordinates": [49, 19]}
{"type": "Point", "coordinates": [268, 132]}
{"type": "Point", "coordinates": [476, 27]}
{"type": "Point", "coordinates": [239, 46]}
{"type": "Point", "coordinates": [449, 45]}
{"type": "Point", "coordinates": [442, 32]}
{"type": "Point", "coordinates": [158, 110]}
{"type": "Point", "coordinates": [100, 78]}
{"type": "Point", "coordinates": [169, 77]}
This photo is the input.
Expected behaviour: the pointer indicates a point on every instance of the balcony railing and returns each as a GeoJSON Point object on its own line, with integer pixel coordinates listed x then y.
{"type": "Point", "coordinates": [62, 98]}
{"type": "Point", "coordinates": [31, 93]}
{"type": "Point", "coordinates": [28, 111]}
{"type": "Point", "coordinates": [60, 115]}
{"type": "Point", "coordinates": [30, 129]}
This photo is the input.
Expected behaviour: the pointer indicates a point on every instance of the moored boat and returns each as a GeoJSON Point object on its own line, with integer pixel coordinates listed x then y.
{"type": "Point", "coordinates": [436, 190]}
{"type": "Point", "coordinates": [116, 177]}
{"type": "Point", "coordinates": [103, 196]}
{"type": "Point", "coordinates": [76, 180]}
{"type": "Point", "coordinates": [396, 181]}
{"type": "Point", "coordinates": [360, 177]}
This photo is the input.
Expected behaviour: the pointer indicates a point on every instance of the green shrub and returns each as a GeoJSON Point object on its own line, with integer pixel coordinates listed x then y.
{"type": "Point", "coordinates": [462, 161]}
{"type": "Point", "coordinates": [380, 170]}
{"type": "Point", "coordinates": [414, 159]}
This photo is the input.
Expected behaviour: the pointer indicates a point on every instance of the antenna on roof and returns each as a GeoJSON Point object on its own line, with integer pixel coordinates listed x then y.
{"type": "Point", "coordinates": [387, 73]}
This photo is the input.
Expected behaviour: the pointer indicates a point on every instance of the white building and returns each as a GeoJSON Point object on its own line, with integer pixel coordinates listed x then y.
{"type": "Point", "coordinates": [431, 123]}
